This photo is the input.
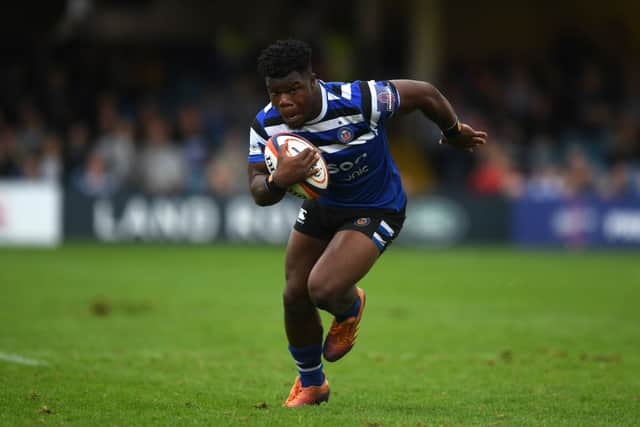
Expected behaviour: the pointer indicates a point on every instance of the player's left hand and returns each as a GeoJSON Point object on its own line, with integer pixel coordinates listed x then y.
{"type": "Point", "coordinates": [467, 139]}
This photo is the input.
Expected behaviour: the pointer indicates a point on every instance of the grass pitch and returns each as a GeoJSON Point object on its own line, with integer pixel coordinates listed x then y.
{"type": "Point", "coordinates": [173, 335]}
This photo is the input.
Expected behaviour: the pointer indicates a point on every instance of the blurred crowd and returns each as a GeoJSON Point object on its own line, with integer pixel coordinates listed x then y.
{"type": "Point", "coordinates": [561, 126]}
{"type": "Point", "coordinates": [126, 123]}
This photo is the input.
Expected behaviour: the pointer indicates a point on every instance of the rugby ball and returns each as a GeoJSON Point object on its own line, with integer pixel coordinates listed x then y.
{"type": "Point", "coordinates": [313, 186]}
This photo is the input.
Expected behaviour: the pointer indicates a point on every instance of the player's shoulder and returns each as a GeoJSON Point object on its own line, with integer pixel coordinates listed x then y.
{"type": "Point", "coordinates": [345, 91]}
{"type": "Point", "coordinates": [262, 120]}
{"type": "Point", "coordinates": [346, 96]}
{"type": "Point", "coordinates": [356, 90]}
{"type": "Point", "coordinates": [266, 114]}
{"type": "Point", "coordinates": [266, 120]}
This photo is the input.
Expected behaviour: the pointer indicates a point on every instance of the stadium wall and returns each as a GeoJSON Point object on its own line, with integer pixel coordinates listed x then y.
{"type": "Point", "coordinates": [434, 220]}
{"type": "Point", "coordinates": [30, 213]}
{"type": "Point", "coordinates": [581, 222]}
{"type": "Point", "coordinates": [40, 214]}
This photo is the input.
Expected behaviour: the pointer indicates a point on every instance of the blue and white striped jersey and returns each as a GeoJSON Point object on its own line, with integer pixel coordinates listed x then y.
{"type": "Point", "coordinates": [350, 133]}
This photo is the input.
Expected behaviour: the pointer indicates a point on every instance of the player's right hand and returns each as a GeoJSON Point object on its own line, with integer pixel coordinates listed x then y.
{"type": "Point", "coordinates": [467, 139]}
{"type": "Point", "coordinates": [294, 169]}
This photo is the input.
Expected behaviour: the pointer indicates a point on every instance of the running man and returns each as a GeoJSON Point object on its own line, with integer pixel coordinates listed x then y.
{"type": "Point", "coordinates": [338, 237]}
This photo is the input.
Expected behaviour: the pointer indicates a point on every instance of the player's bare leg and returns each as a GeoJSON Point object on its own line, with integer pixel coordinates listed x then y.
{"type": "Point", "coordinates": [301, 317]}
{"type": "Point", "coordinates": [332, 287]}
{"type": "Point", "coordinates": [302, 321]}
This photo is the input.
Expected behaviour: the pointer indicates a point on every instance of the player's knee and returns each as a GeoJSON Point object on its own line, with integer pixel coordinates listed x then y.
{"type": "Point", "coordinates": [322, 298]}
{"type": "Point", "coordinates": [321, 292]}
{"type": "Point", "coordinates": [295, 297]}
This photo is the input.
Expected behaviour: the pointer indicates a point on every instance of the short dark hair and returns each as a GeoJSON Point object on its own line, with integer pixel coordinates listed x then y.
{"type": "Point", "coordinates": [284, 57]}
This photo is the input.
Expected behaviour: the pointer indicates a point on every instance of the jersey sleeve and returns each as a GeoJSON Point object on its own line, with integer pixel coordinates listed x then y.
{"type": "Point", "coordinates": [380, 100]}
{"type": "Point", "coordinates": [257, 140]}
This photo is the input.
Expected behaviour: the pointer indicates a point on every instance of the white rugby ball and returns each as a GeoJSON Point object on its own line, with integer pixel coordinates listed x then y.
{"type": "Point", "coordinates": [313, 186]}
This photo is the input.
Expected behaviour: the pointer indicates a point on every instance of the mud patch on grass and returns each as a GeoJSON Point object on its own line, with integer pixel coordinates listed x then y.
{"type": "Point", "coordinates": [601, 358]}
{"type": "Point", "coordinates": [506, 356]}
{"type": "Point", "coordinates": [102, 306]}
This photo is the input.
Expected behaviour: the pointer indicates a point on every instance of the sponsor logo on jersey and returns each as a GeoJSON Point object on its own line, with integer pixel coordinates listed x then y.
{"type": "Point", "coordinates": [386, 100]}
{"type": "Point", "coordinates": [362, 222]}
{"type": "Point", "coordinates": [355, 168]}
{"type": "Point", "coordinates": [345, 135]}
{"type": "Point", "coordinates": [347, 165]}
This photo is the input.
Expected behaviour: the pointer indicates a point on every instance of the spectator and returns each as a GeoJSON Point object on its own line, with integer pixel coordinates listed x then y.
{"type": "Point", "coordinates": [161, 165]}
{"type": "Point", "coordinates": [76, 150]}
{"type": "Point", "coordinates": [495, 173]}
{"type": "Point", "coordinates": [195, 147]}
{"type": "Point", "coordinates": [32, 130]}
{"type": "Point", "coordinates": [617, 183]}
{"type": "Point", "coordinates": [51, 159]}
{"type": "Point", "coordinates": [9, 162]}
{"type": "Point", "coordinates": [93, 180]}
{"type": "Point", "coordinates": [117, 149]}
{"type": "Point", "coordinates": [546, 183]}
{"type": "Point", "coordinates": [30, 166]}
{"type": "Point", "coordinates": [624, 145]}
{"type": "Point", "coordinates": [226, 172]}
{"type": "Point", "coordinates": [580, 175]}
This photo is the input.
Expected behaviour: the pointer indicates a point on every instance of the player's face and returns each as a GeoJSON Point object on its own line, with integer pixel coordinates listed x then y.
{"type": "Point", "coordinates": [293, 97]}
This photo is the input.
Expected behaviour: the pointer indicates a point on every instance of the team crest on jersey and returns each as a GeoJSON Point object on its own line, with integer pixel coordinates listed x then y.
{"type": "Point", "coordinates": [362, 222]}
{"type": "Point", "coordinates": [345, 135]}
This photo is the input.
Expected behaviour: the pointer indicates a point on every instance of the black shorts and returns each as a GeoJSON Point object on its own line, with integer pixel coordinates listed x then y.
{"type": "Point", "coordinates": [323, 222]}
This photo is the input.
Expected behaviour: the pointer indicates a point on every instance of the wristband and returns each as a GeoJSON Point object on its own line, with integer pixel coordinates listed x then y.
{"type": "Point", "coordinates": [272, 186]}
{"type": "Point", "coordinates": [454, 130]}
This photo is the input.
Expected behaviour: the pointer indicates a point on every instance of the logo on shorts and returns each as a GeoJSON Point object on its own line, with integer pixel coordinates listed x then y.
{"type": "Point", "coordinates": [345, 134]}
{"type": "Point", "coordinates": [302, 216]}
{"type": "Point", "coordinates": [362, 222]}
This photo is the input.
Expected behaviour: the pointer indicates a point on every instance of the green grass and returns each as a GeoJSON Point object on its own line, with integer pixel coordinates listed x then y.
{"type": "Point", "coordinates": [193, 336]}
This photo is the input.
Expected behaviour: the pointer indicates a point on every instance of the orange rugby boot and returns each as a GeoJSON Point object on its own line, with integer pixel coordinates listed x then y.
{"type": "Point", "coordinates": [312, 395]}
{"type": "Point", "coordinates": [342, 336]}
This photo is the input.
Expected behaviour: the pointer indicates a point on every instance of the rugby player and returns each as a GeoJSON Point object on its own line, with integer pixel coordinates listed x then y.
{"type": "Point", "coordinates": [338, 237]}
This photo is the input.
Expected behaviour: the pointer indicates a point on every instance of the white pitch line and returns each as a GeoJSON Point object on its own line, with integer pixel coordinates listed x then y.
{"type": "Point", "coordinates": [16, 358]}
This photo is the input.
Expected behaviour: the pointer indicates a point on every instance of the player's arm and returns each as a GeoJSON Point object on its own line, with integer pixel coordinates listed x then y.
{"type": "Point", "coordinates": [423, 96]}
{"type": "Point", "coordinates": [270, 189]}
{"type": "Point", "coordinates": [264, 191]}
